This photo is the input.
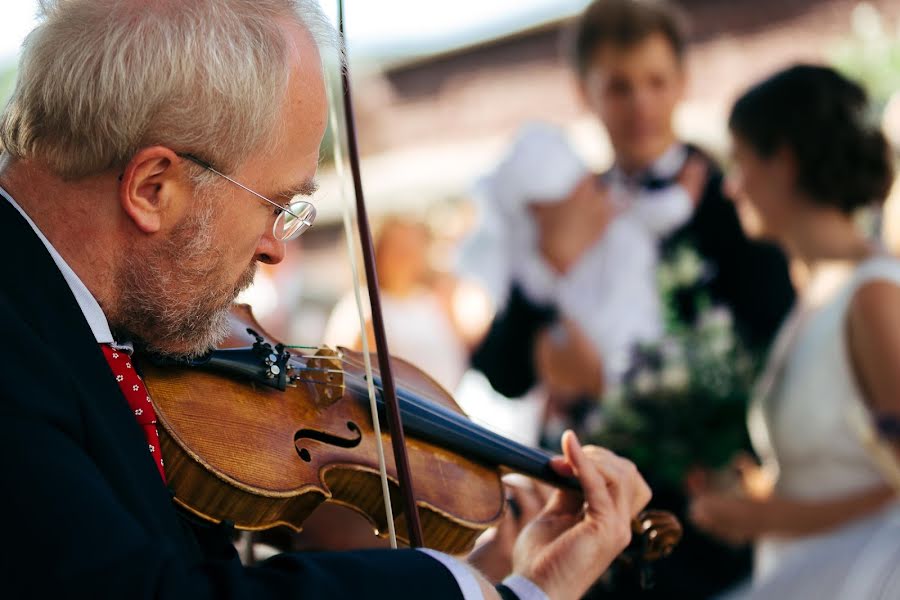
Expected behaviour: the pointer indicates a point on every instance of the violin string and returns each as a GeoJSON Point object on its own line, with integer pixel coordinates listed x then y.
{"type": "Point", "coordinates": [467, 422]}
{"type": "Point", "coordinates": [339, 159]}
{"type": "Point", "coordinates": [463, 422]}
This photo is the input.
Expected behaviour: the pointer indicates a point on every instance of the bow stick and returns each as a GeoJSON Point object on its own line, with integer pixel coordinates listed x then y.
{"type": "Point", "coordinates": [395, 424]}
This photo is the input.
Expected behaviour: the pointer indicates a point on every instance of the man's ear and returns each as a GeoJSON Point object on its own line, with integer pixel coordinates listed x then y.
{"type": "Point", "coordinates": [152, 188]}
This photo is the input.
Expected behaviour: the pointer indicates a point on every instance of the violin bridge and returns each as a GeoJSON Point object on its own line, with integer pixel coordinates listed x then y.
{"type": "Point", "coordinates": [325, 372]}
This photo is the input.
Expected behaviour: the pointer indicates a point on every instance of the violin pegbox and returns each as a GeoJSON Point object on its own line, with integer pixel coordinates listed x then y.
{"type": "Point", "coordinates": [324, 370]}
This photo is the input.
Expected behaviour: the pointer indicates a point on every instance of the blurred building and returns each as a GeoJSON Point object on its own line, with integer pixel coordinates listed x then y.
{"type": "Point", "coordinates": [430, 124]}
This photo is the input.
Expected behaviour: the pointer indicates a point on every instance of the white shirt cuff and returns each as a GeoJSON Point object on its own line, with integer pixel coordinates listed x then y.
{"type": "Point", "coordinates": [524, 588]}
{"type": "Point", "coordinates": [463, 575]}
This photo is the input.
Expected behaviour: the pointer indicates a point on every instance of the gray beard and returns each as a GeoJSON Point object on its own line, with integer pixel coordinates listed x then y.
{"type": "Point", "coordinates": [171, 301]}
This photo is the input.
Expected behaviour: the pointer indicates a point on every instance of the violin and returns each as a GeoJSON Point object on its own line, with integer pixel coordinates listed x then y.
{"type": "Point", "coordinates": [259, 434]}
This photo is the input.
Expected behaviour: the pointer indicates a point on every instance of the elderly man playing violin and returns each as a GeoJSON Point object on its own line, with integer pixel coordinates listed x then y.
{"type": "Point", "coordinates": [153, 152]}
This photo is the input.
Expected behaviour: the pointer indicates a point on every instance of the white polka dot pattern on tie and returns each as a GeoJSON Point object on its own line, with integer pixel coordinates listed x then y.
{"type": "Point", "coordinates": [136, 394]}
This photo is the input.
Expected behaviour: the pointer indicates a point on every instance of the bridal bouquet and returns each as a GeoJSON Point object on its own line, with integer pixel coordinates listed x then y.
{"type": "Point", "coordinates": [682, 403]}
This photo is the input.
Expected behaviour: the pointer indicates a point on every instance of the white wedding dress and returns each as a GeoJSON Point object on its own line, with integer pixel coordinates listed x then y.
{"type": "Point", "coordinates": [802, 423]}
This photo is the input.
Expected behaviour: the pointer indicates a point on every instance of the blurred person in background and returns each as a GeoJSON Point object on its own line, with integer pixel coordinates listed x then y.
{"type": "Point", "coordinates": [629, 58]}
{"type": "Point", "coordinates": [421, 328]}
{"type": "Point", "coordinates": [606, 299]}
{"type": "Point", "coordinates": [419, 319]}
{"type": "Point", "coordinates": [807, 156]}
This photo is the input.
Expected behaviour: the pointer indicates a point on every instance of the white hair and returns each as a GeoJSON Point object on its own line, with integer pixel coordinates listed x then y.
{"type": "Point", "coordinates": [101, 79]}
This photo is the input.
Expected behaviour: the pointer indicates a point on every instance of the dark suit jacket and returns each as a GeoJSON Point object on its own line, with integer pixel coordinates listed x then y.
{"type": "Point", "coordinates": [85, 513]}
{"type": "Point", "coordinates": [749, 277]}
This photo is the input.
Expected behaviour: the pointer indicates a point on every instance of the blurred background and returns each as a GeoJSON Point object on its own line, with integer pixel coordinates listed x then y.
{"type": "Point", "coordinates": [441, 87]}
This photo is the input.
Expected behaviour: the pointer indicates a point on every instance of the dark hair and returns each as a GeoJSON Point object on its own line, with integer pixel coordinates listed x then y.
{"type": "Point", "coordinates": [623, 23]}
{"type": "Point", "coordinates": [823, 118]}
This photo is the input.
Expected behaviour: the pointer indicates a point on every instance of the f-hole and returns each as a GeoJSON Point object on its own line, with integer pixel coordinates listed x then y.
{"type": "Point", "coordinates": [326, 438]}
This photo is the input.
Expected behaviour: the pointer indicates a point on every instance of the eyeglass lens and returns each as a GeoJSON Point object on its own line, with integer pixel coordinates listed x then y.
{"type": "Point", "coordinates": [291, 224]}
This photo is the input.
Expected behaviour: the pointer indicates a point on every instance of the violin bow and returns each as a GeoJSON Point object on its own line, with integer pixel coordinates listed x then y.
{"type": "Point", "coordinates": [389, 394]}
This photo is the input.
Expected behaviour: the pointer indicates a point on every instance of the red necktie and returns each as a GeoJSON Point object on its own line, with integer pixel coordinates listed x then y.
{"type": "Point", "coordinates": [133, 388]}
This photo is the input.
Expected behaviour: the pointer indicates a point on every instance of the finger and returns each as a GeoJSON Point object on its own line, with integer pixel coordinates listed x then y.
{"type": "Point", "coordinates": [564, 501]}
{"type": "Point", "coordinates": [542, 491]}
{"type": "Point", "coordinates": [507, 529]}
{"type": "Point", "coordinates": [622, 476]}
{"type": "Point", "coordinates": [530, 504]}
{"type": "Point", "coordinates": [594, 482]}
{"type": "Point", "coordinates": [561, 466]}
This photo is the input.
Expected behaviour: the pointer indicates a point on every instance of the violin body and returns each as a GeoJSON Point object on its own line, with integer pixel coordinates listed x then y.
{"type": "Point", "coordinates": [259, 438]}
{"type": "Point", "coordinates": [238, 451]}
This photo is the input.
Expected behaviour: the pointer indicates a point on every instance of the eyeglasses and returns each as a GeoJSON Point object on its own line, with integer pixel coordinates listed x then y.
{"type": "Point", "coordinates": [292, 220]}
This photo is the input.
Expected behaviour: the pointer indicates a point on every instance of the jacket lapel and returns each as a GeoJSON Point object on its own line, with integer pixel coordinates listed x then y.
{"type": "Point", "coordinates": [111, 436]}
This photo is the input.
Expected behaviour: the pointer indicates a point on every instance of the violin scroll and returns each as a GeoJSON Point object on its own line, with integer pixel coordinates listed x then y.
{"type": "Point", "coordinates": [657, 532]}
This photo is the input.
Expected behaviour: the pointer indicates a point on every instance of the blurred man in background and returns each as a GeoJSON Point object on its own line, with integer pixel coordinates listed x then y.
{"type": "Point", "coordinates": [629, 58]}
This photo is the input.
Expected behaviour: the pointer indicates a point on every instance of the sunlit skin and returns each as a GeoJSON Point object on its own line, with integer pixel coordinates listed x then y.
{"type": "Point", "coordinates": [762, 189]}
{"type": "Point", "coordinates": [401, 255]}
{"type": "Point", "coordinates": [284, 167]}
{"type": "Point", "coordinates": [633, 91]}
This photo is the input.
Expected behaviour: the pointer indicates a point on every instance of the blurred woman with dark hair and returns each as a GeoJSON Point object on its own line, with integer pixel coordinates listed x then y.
{"type": "Point", "coordinates": [806, 157]}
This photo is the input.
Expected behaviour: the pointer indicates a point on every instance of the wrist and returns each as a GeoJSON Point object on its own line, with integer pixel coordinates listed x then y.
{"type": "Point", "coordinates": [493, 559]}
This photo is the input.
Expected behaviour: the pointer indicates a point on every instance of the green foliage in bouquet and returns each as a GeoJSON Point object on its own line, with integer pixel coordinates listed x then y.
{"type": "Point", "coordinates": [682, 403]}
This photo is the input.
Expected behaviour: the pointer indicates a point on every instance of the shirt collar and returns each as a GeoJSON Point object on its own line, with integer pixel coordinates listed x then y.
{"type": "Point", "coordinates": [664, 168]}
{"type": "Point", "coordinates": [89, 306]}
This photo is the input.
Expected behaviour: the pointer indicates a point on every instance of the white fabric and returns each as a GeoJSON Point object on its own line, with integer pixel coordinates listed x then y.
{"type": "Point", "coordinates": [660, 211]}
{"type": "Point", "coordinates": [524, 588]}
{"type": "Point", "coordinates": [100, 328]}
{"type": "Point", "coordinates": [857, 562]}
{"type": "Point", "coordinates": [462, 573]}
{"type": "Point", "coordinates": [540, 167]}
{"type": "Point", "coordinates": [86, 301]}
{"type": "Point", "coordinates": [418, 331]}
{"type": "Point", "coordinates": [611, 292]}
{"type": "Point", "coordinates": [799, 424]}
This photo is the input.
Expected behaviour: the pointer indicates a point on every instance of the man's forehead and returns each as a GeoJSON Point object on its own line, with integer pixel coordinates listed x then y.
{"type": "Point", "coordinates": [292, 155]}
{"type": "Point", "coordinates": [652, 51]}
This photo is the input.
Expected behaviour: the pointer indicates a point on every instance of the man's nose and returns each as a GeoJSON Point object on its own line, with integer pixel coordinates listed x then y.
{"type": "Point", "coordinates": [270, 250]}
